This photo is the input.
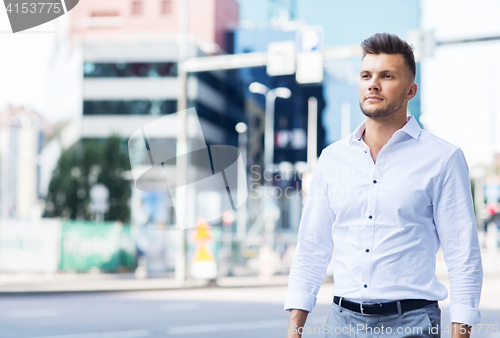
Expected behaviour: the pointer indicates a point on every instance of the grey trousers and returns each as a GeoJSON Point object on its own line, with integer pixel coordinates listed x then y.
{"type": "Point", "coordinates": [423, 322]}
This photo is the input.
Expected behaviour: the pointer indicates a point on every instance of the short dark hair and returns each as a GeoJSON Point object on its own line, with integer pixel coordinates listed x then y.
{"type": "Point", "coordinates": [385, 43]}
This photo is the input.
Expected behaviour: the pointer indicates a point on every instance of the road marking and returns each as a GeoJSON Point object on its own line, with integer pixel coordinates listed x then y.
{"type": "Point", "coordinates": [178, 307]}
{"type": "Point", "coordinates": [262, 324]}
{"type": "Point", "coordinates": [113, 334]}
{"type": "Point", "coordinates": [32, 313]}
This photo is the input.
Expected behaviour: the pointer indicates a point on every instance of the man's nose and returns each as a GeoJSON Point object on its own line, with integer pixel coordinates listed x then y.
{"type": "Point", "coordinates": [374, 84]}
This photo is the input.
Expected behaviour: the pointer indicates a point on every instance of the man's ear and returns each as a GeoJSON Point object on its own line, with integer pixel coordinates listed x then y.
{"type": "Point", "coordinates": [412, 91]}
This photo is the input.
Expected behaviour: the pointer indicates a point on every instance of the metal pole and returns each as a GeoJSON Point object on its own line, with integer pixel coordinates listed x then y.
{"type": "Point", "coordinates": [268, 159]}
{"type": "Point", "coordinates": [459, 41]}
{"type": "Point", "coordinates": [479, 196]}
{"type": "Point", "coordinates": [4, 171]}
{"type": "Point", "coordinates": [312, 132]}
{"type": "Point", "coordinates": [241, 212]}
{"type": "Point", "coordinates": [345, 119]}
{"type": "Point", "coordinates": [4, 154]}
{"type": "Point", "coordinates": [493, 109]}
{"type": "Point", "coordinates": [492, 247]}
{"type": "Point", "coordinates": [269, 132]}
{"type": "Point", "coordinates": [182, 147]}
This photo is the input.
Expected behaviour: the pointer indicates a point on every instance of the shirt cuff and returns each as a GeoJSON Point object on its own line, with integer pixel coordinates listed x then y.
{"type": "Point", "coordinates": [299, 300]}
{"type": "Point", "coordinates": [464, 314]}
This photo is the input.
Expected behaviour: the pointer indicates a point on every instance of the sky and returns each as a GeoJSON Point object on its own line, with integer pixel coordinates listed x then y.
{"type": "Point", "coordinates": [23, 59]}
{"type": "Point", "coordinates": [459, 83]}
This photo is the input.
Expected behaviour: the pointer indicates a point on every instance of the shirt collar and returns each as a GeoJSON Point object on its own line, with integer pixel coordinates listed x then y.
{"type": "Point", "coordinates": [411, 128]}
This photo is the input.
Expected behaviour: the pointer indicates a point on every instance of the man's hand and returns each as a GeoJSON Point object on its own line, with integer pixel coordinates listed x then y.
{"type": "Point", "coordinates": [296, 323]}
{"type": "Point", "coordinates": [460, 330]}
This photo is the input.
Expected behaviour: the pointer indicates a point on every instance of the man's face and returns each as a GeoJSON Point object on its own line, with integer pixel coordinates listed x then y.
{"type": "Point", "coordinates": [385, 85]}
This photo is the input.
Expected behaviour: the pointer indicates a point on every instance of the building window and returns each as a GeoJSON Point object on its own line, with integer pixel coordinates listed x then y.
{"type": "Point", "coordinates": [99, 14]}
{"type": "Point", "coordinates": [166, 7]}
{"type": "Point", "coordinates": [134, 69]}
{"type": "Point", "coordinates": [132, 107]}
{"type": "Point", "coordinates": [136, 7]}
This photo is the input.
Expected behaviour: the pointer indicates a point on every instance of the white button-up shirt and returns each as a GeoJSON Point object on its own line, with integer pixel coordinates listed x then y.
{"type": "Point", "coordinates": [384, 223]}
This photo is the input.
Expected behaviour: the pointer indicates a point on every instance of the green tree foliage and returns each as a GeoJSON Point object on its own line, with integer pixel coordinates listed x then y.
{"type": "Point", "coordinates": [84, 164]}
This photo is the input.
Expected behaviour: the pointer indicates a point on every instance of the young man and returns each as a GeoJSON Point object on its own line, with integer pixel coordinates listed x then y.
{"type": "Point", "coordinates": [385, 198]}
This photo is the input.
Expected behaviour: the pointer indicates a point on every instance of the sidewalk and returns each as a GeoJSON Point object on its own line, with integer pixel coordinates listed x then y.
{"type": "Point", "coordinates": [11, 283]}
{"type": "Point", "coordinates": [59, 283]}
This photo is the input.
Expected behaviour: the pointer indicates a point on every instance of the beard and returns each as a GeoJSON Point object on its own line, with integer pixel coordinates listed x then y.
{"type": "Point", "coordinates": [381, 113]}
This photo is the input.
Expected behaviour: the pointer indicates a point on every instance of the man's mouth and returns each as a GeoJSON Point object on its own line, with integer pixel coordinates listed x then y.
{"type": "Point", "coordinates": [372, 98]}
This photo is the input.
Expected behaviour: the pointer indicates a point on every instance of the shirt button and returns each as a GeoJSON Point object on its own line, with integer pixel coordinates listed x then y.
{"type": "Point", "coordinates": [367, 250]}
{"type": "Point", "coordinates": [366, 152]}
{"type": "Point", "coordinates": [365, 286]}
{"type": "Point", "coordinates": [374, 181]}
{"type": "Point", "coordinates": [370, 217]}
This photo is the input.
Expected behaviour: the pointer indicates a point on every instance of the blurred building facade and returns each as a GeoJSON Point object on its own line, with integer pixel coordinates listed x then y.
{"type": "Point", "coordinates": [118, 63]}
{"type": "Point", "coordinates": [115, 67]}
{"type": "Point", "coordinates": [21, 140]}
{"type": "Point", "coordinates": [124, 55]}
{"type": "Point", "coordinates": [290, 120]}
{"type": "Point", "coordinates": [344, 23]}
{"type": "Point", "coordinates": [290, 114]}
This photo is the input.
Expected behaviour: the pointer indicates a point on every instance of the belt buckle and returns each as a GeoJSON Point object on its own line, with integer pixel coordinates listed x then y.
{"type": "Point", "coordinates": [365, 314]}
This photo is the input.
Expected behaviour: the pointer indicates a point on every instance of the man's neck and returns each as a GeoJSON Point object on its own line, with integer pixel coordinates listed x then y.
{"type": "Point", "coordinates": [378, 132]}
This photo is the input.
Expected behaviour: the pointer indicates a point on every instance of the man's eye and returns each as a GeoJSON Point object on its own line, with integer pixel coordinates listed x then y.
{"type": "Point", "coordinates": [387, 75]}
{"type": "Point", "coordinates": [364, 76]}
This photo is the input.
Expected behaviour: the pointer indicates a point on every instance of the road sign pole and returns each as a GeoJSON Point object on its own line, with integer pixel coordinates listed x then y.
{"type": "Point", "coordinates": [182, 148]}
{"type": "Point", "coordinates": [312, 132]}
{"type": "Point", "coordinates": [269, 132]}
{"type": "Point", "coordinates": [241, 212]}
{"type": "Point", "coordinates": [269, 155]}
{"type": "Point", "coordinates": [345, 119]}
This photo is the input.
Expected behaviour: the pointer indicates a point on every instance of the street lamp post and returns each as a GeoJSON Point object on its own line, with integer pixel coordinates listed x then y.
{"type": "Point", "coordinates": [241, 212]}
{"type": "Point", "coordinates": [182, 147]}
{"type": "Point", "coordinates": [269, 205]}
{"type": "Point", "coordinates": [271, 95]}
{"type": "Point", "coordinates": [312, 132]}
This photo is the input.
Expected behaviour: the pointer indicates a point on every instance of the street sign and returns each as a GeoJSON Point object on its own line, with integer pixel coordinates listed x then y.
{"type": "Point", "coordinates": [99, 195]}
{"type": "Point", "coordinates": [203, 253]}
{"type": "Point", "coordinates": [202, 232]}
{"type": "Point", "coordinates": [203, 263]}
{"type": "Point", "coordinates": [309, 67]}
{"type": "Point", "coordinates": [281, 58]}
{"type": "Point", "coordinates": [310, 55]}
{"type": "Point", "coordinates": [310, 39]}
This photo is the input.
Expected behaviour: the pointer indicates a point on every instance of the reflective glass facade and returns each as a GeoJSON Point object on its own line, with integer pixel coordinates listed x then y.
{"type": "Point", "coordinates": [132, 107]}
{"type": "Point", "coordinates": [137, 69]}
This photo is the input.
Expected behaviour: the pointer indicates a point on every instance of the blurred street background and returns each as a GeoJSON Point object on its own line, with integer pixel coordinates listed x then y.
{"type": "Point", "coordinates": [85, 253]}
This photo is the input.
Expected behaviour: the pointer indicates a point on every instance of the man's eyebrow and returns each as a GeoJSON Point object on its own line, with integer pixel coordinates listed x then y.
{"type": "Point", "coordinates": [364, 71]}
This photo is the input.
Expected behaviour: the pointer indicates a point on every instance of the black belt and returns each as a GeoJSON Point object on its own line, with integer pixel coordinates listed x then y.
{"type": "Point", "coordinates": [383, 308]}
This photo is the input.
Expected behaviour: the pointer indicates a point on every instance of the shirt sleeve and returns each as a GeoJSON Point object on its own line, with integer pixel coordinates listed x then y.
{"type": "Point", "coordinates": [457, 232]}
{"type": "Point", "coordinates": [314, 244]}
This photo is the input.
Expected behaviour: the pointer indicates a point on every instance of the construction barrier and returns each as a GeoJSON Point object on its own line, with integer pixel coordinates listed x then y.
{"type": "Point", "coordinates": [87, 245]}
{"type": "Point", "coordinates": [27, 246]}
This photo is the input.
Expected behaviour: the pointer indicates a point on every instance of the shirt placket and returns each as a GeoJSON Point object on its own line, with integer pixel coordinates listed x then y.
{"type": "Point", "coordinates": [368, 230]}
